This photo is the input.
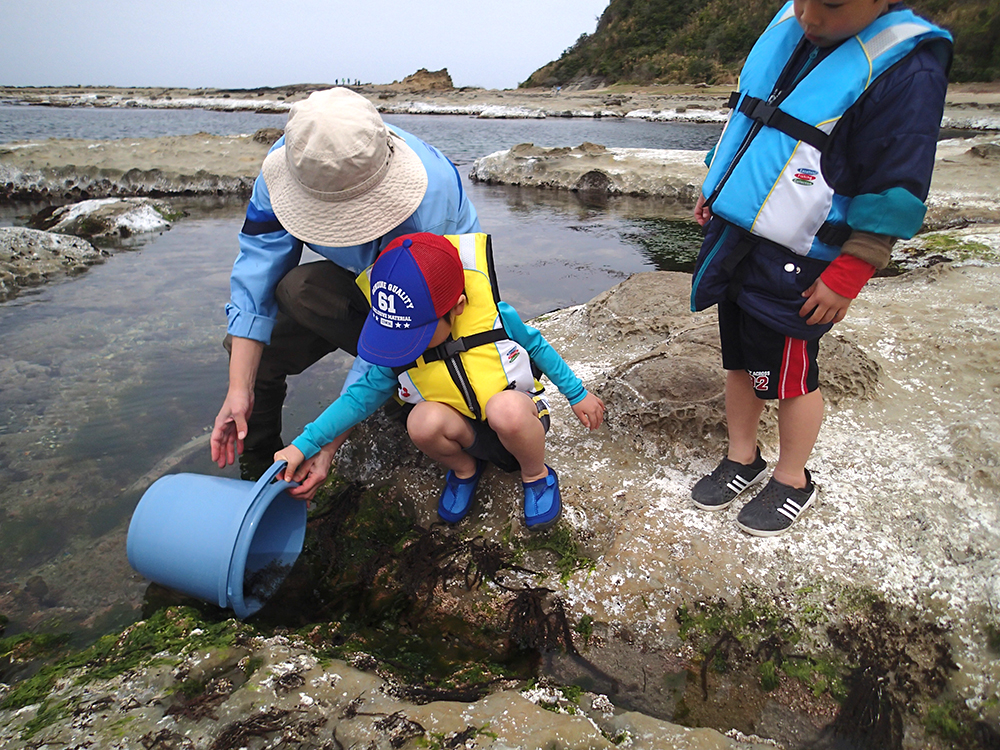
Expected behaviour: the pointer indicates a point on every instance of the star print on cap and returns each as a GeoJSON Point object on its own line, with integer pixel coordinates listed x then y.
{"type": "Point", "coordinates": [416, 280]}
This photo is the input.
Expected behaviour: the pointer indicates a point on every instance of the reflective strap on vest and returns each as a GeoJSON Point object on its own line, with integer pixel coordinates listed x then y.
{"type": "Point", "coordinates": [772, 117]}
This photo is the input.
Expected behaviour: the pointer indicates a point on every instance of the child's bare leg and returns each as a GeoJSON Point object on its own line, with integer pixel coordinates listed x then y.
{"type": "Point", "coordinates": [442, 433]}
{"type": "Point", "coordinates": [743, 410]}
{"type": "Point", "coordinates": [799, 420]}
{"type": "Point", "coordinates": [514, 418]}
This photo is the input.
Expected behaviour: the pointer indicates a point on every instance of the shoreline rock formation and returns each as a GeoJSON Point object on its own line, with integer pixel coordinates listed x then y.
{"type": "Point", "coordinates": [969, 106]}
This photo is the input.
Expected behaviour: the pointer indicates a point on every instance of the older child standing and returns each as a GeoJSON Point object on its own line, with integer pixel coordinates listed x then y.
{"type": "Point", "coordinates": [825, 161]}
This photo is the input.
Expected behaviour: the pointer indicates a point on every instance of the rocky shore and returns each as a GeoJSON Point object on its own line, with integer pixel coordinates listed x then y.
{"type": "Point", "coordinates": [643, 608]}
{"type": "Point", "coordinates": [873, 624]}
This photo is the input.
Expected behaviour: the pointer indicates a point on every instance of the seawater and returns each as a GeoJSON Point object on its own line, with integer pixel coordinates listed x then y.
{"type": "Point", "coordinates": [107, 376]}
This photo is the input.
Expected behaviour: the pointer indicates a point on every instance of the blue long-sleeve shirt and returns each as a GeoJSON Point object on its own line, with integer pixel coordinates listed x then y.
{"type": "Point", "coordinates": [366, 394]}
{"type": "Point", "coordinates": [268, 251]}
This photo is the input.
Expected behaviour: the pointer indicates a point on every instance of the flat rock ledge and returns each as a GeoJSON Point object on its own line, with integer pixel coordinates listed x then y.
{"type": "Point", "coordinates": [674, 175]}
{"type": "Point", "coordinates": [964, 188]}
{"type": "Point", "coordinates": [70, 169]}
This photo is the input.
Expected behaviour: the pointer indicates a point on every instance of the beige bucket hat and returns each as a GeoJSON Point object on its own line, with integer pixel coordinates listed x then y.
{"type": "Point", "coordinates": [342, 178]}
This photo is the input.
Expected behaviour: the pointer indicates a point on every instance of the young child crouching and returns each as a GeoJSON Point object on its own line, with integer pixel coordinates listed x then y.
{"type": "Point", "coordinates": [439, 338]}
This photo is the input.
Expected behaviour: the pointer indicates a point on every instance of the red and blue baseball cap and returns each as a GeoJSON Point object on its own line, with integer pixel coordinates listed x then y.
{"type": "Point", "coordinates": [416, 280]}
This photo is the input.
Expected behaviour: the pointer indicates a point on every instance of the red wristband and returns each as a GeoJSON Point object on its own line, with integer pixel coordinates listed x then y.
{"type": "Point", "coordinates": [846, 275]}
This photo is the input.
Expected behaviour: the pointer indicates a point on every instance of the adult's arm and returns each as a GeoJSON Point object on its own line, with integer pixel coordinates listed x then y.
{"type": "Point", "coordinates": [231, 423]}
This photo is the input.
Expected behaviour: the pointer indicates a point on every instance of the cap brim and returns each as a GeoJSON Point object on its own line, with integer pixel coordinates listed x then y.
{"type": "Point", "coordinates": [350, 222]}
{"type": "Point", "coordinates": [393, 347]}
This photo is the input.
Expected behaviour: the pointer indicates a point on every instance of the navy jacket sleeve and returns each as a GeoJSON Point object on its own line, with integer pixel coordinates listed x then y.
{"type": "Point", "coordinates": [889, 137]}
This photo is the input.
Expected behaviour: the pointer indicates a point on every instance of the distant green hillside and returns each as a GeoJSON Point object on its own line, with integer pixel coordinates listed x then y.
{"type": "Point", "coordinates": [689, 41]}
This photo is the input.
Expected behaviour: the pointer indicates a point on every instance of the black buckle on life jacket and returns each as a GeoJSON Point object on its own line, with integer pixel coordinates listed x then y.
{"type": "Point", "coordinates": [772, 117]}
{"type": "Point", "coordinates": [446, 350]}
{"type": "Point", "coordinates": [734, 99]}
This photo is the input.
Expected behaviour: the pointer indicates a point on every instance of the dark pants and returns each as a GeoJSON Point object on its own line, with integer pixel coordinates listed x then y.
{"type": "Point", "coordinates": [320, 309]}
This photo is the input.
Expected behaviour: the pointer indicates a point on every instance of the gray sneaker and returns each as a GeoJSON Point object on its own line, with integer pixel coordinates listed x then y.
{"type": "Point", "coordinates": [776, 507]}
{"type": "Point", "coordinates": [729, 479]}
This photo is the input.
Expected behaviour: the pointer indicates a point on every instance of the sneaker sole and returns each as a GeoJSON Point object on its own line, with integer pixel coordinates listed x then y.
{"type": "Point", "coordinates": [775, 532]}
{"type": "Point", "coordinates": [752, 483]}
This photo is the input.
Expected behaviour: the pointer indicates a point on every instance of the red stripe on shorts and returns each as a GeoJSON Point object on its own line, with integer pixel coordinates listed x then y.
{"type": "Point", "coordinates": [794, 369]}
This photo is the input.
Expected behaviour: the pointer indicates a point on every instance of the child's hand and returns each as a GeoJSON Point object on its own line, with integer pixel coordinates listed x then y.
{"type": "Point", "coordinates": [823, 305]}
{"type": "Point", "coordinates": [702, 214]}
{"type": "Point", "coordinates": [590, 411]}
{"type": "Point", "coordinates": [293, 456]}
{"type": "Point", "coordinates": [309, 473]}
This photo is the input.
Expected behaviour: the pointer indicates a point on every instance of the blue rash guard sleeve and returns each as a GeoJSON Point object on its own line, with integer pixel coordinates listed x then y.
{"type": "Point", "coordinates": [354, 405]}
{"type": "Point", "coordinates": [267, 253]}
{"type": "Point", "coordinates": [543, 355]}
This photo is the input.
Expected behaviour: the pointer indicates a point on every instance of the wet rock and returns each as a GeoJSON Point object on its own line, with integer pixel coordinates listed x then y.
{"type": "Point", "coordinates": [29, 257]}
{"type": "Point", "coordinates": [252, 703]}
{"type": "Point", "coordinates": [268, 136]}
{"type": "Point", "coordinates": [36, 587]}
{"type": "Point", "coordinates": [108, 218]}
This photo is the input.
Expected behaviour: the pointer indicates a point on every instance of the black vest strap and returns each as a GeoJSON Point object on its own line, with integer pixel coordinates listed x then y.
{"type": "Point", "coordinates": [772, 117]}
{"type": "Point", "coordinates": [454, 347]}
{"type": "Point", "coordinates": [834, 234]}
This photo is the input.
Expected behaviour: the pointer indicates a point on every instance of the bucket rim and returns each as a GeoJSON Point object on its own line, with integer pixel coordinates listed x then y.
{"type": "Point", "coordinates": [267, 488]}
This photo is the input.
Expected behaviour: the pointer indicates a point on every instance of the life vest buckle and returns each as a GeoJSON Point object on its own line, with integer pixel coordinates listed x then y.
{"type": "Point", "coordinates": [758, 109]}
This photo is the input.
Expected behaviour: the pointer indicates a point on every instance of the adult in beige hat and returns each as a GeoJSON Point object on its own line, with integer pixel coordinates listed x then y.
{"type": "Point", "coordinates": [344, 184]}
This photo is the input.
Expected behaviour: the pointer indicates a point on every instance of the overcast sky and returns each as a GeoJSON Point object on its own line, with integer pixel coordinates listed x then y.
{"type": "Point", "coordinates": [228, 44]}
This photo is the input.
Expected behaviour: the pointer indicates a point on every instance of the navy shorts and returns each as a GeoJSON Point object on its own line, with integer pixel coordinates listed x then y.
{"type": "Point", "coordinates": [488, 447]}
{"type": "Point", "coordinates": [779, 366]}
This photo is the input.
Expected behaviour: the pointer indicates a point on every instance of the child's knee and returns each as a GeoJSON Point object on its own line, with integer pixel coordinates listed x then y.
{"type": "Point", "coordinates": [509, 410]}
{"type": "Point", "coordinates": [424, 421]}
{"type": "Point", "coordinates": [430, 422]}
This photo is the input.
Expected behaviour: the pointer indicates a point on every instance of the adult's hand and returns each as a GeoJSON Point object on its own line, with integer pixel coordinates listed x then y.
{"type": "Point", "coordinates": [230, 427]}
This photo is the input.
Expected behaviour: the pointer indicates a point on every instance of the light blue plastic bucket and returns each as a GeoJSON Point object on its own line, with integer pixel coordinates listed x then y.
{"type": "Point", "coordinates": [224, 541]}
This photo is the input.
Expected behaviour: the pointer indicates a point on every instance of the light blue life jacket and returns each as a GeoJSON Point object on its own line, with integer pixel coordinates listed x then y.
{"type": "Point", "coordinates": [766, 174]}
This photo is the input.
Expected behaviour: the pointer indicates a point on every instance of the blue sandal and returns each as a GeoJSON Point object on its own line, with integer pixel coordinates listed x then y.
{"type": "Point", "coordinates": [456, 497]}
{"type": "Point", "coordinates": [542, 503]}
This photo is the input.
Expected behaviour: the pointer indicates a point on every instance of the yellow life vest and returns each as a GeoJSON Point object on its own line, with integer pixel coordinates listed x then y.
{"type": "Point", "coordinates": [478, 360]}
